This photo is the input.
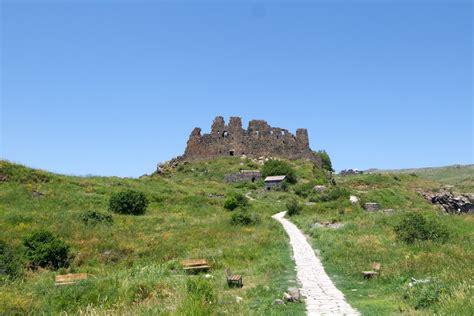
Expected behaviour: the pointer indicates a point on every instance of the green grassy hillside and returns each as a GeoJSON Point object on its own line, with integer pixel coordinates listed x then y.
{"type": "Point", "coordinates": [459, 176]}
{"type": "Point", "coordinates": [134, 261]}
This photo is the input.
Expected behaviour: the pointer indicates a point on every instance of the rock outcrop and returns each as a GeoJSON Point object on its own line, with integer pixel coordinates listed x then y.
{"type": "Point", "coordinates": [452, 203]}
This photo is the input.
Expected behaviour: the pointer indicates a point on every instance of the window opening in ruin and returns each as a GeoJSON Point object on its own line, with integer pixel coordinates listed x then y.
{"type": "Point", "coordinates": [231, 153]}
{"type": "Point", "coordinates": [282, 133]}
{"type": "Point", "coordinates": [225, 134]}
{"type": "Point", "coordinates": [253, 179]}
{"type": "Point", "coordinates": [257, 133]}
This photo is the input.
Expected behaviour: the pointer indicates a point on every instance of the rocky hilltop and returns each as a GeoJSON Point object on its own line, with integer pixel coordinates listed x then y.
{"type": "Point", "coordinates": [258, 140]}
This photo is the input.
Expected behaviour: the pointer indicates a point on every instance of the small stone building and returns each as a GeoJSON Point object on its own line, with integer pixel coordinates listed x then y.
{"type": "Point", "coordinates": [243, 176]}
{"type": "Point", "coordinates": [273, 181]}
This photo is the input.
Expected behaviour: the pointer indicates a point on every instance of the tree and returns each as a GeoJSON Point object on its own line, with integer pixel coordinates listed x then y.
{"type": "Point", "coordinates": [279, 168]}
{"type": "Point", "coordinates": [326, 160]}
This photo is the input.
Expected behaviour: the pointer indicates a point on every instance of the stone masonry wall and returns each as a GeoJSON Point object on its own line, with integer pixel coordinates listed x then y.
{"type": "Point", "coordinates": [258, 140]}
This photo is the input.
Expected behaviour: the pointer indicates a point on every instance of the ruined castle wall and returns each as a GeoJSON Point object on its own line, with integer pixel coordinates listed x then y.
{"type": "Point", "coordinates": [259, 139]}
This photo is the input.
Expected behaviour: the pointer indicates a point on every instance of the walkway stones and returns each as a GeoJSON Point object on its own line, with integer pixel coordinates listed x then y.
{"type": "Point", "coordinates": [322, 297]}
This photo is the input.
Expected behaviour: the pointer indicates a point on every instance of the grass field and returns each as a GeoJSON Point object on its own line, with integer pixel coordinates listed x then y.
{"type": "Point", "coordinates": [134, 262]}
{"type": "Point", "coordinates": [459, 176]}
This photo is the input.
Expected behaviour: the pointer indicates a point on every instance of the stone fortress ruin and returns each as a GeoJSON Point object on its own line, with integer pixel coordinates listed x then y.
{"type": "Point", "coordinates": [258, 140]}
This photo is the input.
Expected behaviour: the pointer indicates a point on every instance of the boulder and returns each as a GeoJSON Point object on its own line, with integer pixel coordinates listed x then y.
{"type": "Point", "coordinates": [353, 199]}
{"type": "Point", "coordinates": [37, 194]}
{"type": "Point", "coordinates": [371, 207]}
{"type": "Point", "coordinates": [319, 188]}
{"type": "Point", "coordinates": [294, 293]}
{"type": "Point", "coordinates": [278, 302]}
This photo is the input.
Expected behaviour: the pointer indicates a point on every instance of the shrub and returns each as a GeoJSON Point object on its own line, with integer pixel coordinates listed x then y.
{"type": "Point", "coordinates": [279, 168]}
{"type": "Point", "coordinates": [415, 226]}
{"type": "Point", "coordinates": [331, 195]}
{"type": "Point", "coordinates": [293, 207]}
{"type": "Point", "coordinates": [234, 200]}
{"type": "Point", "coordinates": [327, 164]}
{"type": "Point", "coordinates": [231, 203]}
{"type": "Point", "coordinates": [244, 218]}
{"type": "Point", "coordinates": [304, 189]}
{"type": "Point", "coordinates": [43, 249]}
{"type": "Point", "coordinates": [10, 265]}
{"type": "Point", "coordinates": [128, 202]}
{"type": "Point", "coordinates": [94, 218]}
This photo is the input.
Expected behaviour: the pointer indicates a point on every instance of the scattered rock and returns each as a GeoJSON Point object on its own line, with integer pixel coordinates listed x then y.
{"type": "Point", "coordinates": [327, 225]}
{"type": "Point", "coordinates": [278, 302]}
{"type": "Point", "coordinates": [309, 203]}
{"type": "Point", "coordinates": [3, 177]}
{"type": "Point", "coordinates": [208, 276]}
{"type": "Point", "coordinates": [371, 207]}
{"type": "Point", "coordinates": [319, 188]}
{"type": "Point", "coordinates": [287, 297]}
{"type": "Point", "coordinates": [451, 202]}
{"type": "Point", "coordinates": [37, 194]}
{"type": "Point", "coordinates": [238, 299]}
{"type": "Point", "coordinates": [216, 195]}
{"type": "Point", "coordinates": [421, 281]}
{"type": "Point", "coordinates": [294, 293]}
{"type": "Point", "coordinates": [353, 199]}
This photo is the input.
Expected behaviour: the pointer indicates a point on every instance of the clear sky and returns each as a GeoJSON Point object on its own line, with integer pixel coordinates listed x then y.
{"type": "Point", "coordinates": [113, 87]}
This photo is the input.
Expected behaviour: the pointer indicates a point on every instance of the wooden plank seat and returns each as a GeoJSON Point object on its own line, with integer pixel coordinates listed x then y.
{"type": "Point", "coordinates": [376, 266]}
{"type": "Point", "coordinates": [195, 264]}
{"type": "Point", "coordinates": [233, 279]}
{"type": "Point", "coordinates": [68, 279]}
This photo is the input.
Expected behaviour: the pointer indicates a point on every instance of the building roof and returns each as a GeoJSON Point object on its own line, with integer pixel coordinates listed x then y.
{"type": "Point", "coordinates": [275, 178]}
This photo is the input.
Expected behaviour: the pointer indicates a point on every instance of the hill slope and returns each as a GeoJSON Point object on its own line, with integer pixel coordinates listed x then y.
{"type": "Point", "coordinates": [135, 260]}
{"type": "Point", "coordinates": [459, 176]}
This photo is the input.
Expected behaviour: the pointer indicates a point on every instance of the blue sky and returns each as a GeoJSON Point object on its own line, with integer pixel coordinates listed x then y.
{"type": "Point", "coordinates": [113, 88]}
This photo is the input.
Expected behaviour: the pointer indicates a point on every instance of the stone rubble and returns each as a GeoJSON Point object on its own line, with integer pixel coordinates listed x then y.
{"type": "Point", "coordinates": [452, 203]}
{"type": "Point", "coordinates": [322, 297]}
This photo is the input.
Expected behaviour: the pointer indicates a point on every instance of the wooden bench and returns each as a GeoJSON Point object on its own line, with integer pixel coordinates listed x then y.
{"type": "Point", "coordinates": [67, 279]}
{"type": "Point", "coordinates": [233, 279]}
{"type": "Point", "coordinates": [376, 266]}
{"type": "Point", "coordinates": [195, 265]}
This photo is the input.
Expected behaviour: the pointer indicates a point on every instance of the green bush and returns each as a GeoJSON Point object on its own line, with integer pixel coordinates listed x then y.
{"type": "Point", "coordinates": [94, 218]}
{"type": "Point", "coordinates": [279, 168]}
{"type": "Point", "coordinates": [128, 202]}
{"type": "Point", "coordinates": [293, 207]}
{"type": "Point", "coordinates": [10, 263]}
{"type": "Point", "coordinates": [234, 200]}
{"type": "Point", "coordinates": [327, 164]}
{"type": "Point", "coordinates": [244, 218]}
{"type": "Point", "coordinates": [45, 250]}
{"type": "Point", "coordinates": [231, 203]}
{"type": "Point", "coordinates": [414, 227]}
{"type": "Point", "coordinates": [332, 194]}
{"type": "Point", "coordinates": [304, 189]}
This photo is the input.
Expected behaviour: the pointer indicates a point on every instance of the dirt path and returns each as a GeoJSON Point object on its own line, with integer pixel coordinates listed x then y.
{"type": "Point", "coordinates": [247, 195]}
{"type": "Point", "coordinates": [322, 297]}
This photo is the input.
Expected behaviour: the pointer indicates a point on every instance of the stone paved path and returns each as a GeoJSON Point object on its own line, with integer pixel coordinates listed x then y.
{"type": "Point", "coordinates": [322, 297]}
